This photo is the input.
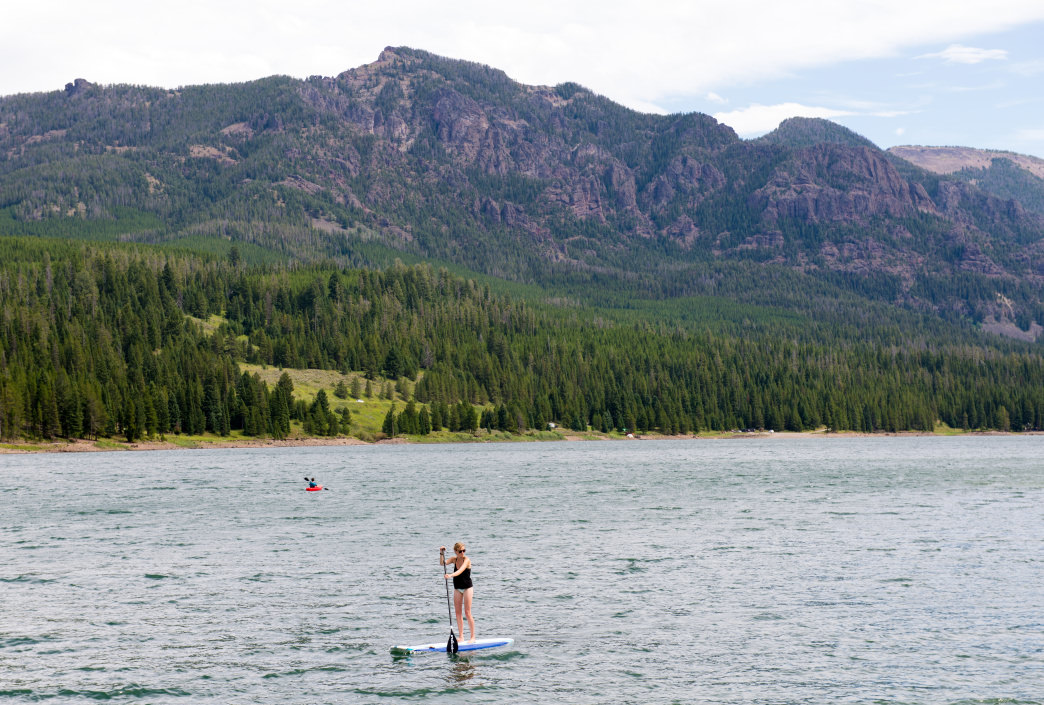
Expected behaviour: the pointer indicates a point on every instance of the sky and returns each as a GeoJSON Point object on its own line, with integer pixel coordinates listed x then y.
{"type": "Point", "coordinates": [925, 72]}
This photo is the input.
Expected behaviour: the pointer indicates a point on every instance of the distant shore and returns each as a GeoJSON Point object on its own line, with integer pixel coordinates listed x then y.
{"type": "Point", "coordinates": [109, 445]}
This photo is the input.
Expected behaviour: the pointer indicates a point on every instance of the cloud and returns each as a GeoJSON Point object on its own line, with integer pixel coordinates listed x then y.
{"type": "Point", "coordinates": [1028, 69]}
{"type": "Point", "coordinates": [960, 54]}
{"type": "Point", "coordinates": [1030, 134]}
{"type": "Point", "coordinates": [646, 107]}
{"type": "Point", "coordinates": [715, 98]}
{"type": "Point", "coordinates": [891, 113]}
{"type": "Point", "coordinates": [758, 119]}
{"type": "Point", "coordinates": [992, 86]}
{"type": "Point", "coordinates": [634, 53]}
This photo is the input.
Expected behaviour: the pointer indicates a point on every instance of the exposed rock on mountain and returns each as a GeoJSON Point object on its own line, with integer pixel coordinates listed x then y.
{"type": "Point", "coordinates": [1014, 177]}
{"type": "Point", "coordinates": [455, 161]}
{"type": "Point", "coordinates": [830, 182]}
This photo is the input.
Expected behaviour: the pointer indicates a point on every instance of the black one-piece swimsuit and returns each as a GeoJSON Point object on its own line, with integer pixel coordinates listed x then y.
{"type": "Point", "coordinates": [463, 581]}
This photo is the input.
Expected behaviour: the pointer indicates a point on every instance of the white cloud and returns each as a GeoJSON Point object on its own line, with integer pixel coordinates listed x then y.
{"type": "Point", "coordinates": [633, 52]}
{"type": "Point", "coordinates": [992, 86]}
{"type": "Point", "coordinates": [1030, 134]}
{"type": "Point", "coordinates": [646, 107]}
{"type": "Point", "coordinates": [960, 54]}
{"type": "Point", "coordinates": [1016, 103]}
{"type": "Point", "coordinates": [715, 98]}
{"type": "Point", "coordinates": [874, 108]}
{"type": "Point", "coordinates": [900, 131]}
{"type": "Point", "coordinates": [1028, 69]}
{"type": "Point", "coordinates": [759, 119]}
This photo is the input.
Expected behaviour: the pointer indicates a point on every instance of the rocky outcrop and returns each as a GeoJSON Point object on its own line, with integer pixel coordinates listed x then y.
{"type": "Point", "coordinates": [450, 156]}
{"type": "Point", "coordinates": [684, 178]}
{"type": "Point", "coordinates": [460, 123]}
{"type": "Point", "coordinates": [834, 183]}
{"type": "Point", "coordinates": [653, 178]}
{"type": "Point", "coordinates": [77, 87]}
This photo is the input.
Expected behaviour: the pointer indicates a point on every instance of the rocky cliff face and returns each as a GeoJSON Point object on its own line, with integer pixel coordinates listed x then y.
{"type": "Point", "coordinates": [833, 183]}
{"type": "Point", "coordinates": [455, 160]}
{"type": "Point", "coordinates": [670, 178]}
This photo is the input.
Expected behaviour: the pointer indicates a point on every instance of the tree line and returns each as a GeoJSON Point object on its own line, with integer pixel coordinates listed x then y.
{"type": "Point", "coordinates": [109, 341]}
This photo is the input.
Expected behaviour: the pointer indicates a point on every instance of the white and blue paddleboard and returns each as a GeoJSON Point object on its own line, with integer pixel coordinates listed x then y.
{"type": "Point", "coordinates": [461, 646]}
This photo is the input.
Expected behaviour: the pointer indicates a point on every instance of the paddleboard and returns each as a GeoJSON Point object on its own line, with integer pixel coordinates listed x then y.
{"type": "Point", "coordinates": [462, 646]}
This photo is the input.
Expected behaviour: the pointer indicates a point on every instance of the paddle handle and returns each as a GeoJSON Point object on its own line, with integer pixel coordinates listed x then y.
{"type": "Point", "coordinates": [449, 609]}
{"type": "Point", "coordinates": [452, 643]}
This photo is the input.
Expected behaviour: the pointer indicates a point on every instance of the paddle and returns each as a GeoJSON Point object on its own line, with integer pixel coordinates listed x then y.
{"type": "Point", "coordinates": [451, 644]}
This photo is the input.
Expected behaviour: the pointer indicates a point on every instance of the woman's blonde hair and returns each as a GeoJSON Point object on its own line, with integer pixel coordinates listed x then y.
{"type": "Point", "coordinates": [458, 546]}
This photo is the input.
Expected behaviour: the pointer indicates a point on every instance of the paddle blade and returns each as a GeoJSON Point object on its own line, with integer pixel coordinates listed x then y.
{"type": "Point", "coordinates": [451, 645]}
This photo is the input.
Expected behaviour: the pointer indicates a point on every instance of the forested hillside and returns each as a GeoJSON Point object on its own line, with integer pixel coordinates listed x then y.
{"type": "Point", "coordinates": [568, 261]}
{"type": "Point", "coordinates": [105, 340]}
{"type": "Point", "coordinates": [425, 158]}
{"type": "Point", "coordinates": [1010, 176]}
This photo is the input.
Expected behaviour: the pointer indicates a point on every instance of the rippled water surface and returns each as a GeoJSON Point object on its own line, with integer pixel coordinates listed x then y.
{"type": "Point", "coordinates": [887, 570]}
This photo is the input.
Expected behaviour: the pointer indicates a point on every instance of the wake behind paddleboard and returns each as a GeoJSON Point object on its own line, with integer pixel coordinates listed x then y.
{"type": "Point", "coordinates": [462, 646]}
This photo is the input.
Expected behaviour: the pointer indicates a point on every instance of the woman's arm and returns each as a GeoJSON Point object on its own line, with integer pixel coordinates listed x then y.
{"type": "Point", "coordinates": [463, 567]}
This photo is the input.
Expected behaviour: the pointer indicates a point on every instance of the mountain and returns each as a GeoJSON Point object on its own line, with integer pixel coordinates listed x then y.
{"type": "Point", "coordinates": [423, 157]}
{"type": "Point", "coordinates": [800, 132]}
{"type": "Point", "coordinates": [1006, 175]}
{"type": "Point", "coordinates": [622, 271]}
{"type": "Point", "coordinates": [949, 160]}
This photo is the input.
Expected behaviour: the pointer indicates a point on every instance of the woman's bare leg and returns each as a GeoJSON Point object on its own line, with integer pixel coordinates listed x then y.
{"type": "Point", "coordinates": [467, 611]}
{"type": "Point", "coordinates": [458, 599]}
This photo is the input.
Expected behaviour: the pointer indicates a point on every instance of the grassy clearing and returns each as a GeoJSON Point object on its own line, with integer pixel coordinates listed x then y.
{"type": "Point", "coordinates": [209, 325]}
{"type": "Point", "coordinates": [22, 446]}
{"type": "Point", "coordinates": [307, 383]}
{"type": "Point", "coordinates": [367, 414]}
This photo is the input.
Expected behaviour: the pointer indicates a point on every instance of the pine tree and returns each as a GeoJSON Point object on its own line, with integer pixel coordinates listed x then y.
{"type": "Point", "coordinates": [408, 421]}
{"type": "Point", "coordinates": [390, 426]}
{"type": "Point", "coordinates": [50, 425]}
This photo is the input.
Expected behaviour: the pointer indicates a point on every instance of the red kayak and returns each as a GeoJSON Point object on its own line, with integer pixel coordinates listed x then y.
{"type": "Point", "coordinates": [313, 489]}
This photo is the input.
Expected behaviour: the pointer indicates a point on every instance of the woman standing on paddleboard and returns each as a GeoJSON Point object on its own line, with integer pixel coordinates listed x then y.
{"type": "Point", "coordinates": [462, 587]}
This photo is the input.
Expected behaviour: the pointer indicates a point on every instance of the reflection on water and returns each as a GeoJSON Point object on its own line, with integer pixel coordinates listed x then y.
{"type": "Point", "coordinates": [462, 670]}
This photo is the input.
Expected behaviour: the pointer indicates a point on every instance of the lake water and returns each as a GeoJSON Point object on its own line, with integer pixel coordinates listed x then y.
{"type": "Point", "coordinates": [840, 570]}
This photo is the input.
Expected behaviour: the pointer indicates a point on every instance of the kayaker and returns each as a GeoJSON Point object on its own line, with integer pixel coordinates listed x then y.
{"type": "Point", "coordinates": [462, 586]}
{"type": "Point", "coordinates": [311, 483]}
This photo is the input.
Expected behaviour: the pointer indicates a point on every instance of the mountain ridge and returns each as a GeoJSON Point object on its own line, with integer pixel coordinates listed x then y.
{"type": "Point", "coordinates": [947, 160]}
{"type": "Point", "coordinates": [454, 161]}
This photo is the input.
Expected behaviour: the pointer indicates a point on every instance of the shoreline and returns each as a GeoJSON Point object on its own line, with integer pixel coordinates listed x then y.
{"type": "Point", "coordinates": [109, 445]}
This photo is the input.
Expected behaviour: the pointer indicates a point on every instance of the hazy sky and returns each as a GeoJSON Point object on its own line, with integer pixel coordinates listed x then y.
{"type": "Point", "coordinates": [897, 71]}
